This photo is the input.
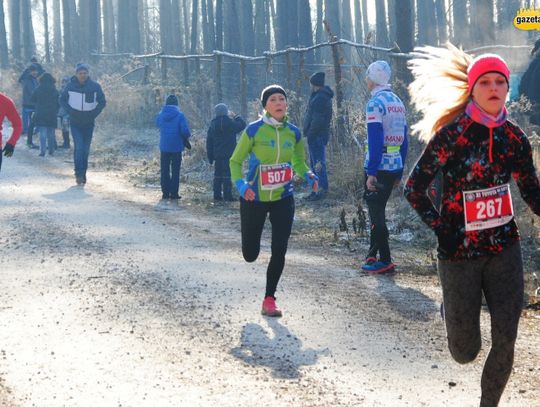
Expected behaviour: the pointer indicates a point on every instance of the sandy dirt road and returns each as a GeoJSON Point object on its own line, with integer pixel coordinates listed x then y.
{"type": "Point", "coordinates": [111, 299]}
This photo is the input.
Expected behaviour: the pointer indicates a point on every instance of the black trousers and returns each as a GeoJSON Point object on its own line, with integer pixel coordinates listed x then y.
{"type": "Point", "coordinates": [170, 173]}
{"type": "Point", "coordinates": [252, 218]}
{"type": "Point", "coordinates": [222, 178]}
{"type": "Point", "coordinates": [376, 203]}
{"type": "Point", "coordinates": [500, 278]}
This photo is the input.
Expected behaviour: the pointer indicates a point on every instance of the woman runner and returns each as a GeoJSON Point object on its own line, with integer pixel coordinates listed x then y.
{"type": "Point", "coordinates": [275, 148]}
{"type": "Point", "coordinates": [478, 151]}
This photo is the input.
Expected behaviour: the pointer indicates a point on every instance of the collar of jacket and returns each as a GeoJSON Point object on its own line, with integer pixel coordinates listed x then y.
{"type": "Point", "coordinates": [379, 88]}
{"type": "Point", "coordinates": [273, 122]}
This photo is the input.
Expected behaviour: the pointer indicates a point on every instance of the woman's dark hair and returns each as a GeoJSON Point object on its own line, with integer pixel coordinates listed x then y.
{"type": "Point", "coordinates": [47, 79]}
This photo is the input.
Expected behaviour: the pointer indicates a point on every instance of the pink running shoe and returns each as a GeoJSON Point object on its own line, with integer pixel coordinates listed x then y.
{"type": "Point", "coordinates": [269, 307]}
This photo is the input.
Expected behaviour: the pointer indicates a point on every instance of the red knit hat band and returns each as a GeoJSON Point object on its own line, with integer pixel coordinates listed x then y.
{"type": "Point", "coordinates": [484, 64]}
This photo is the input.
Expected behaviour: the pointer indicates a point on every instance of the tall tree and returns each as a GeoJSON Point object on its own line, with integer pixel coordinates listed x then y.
{"type": "Point", "coordinates": [441, 21]}
{"type": "Point", "coordinates": [460, 21]}
{"type": "Point", "coordinates": [128, 32]}
{"type": "Point", "coordinates": [292, 23]}
{"type": "Point", "coordinates": [404, 28]}
{"type": "Point", "coordinates": [109, 37]}
{"type": "Point", "coordinates": [319, 30]}
{"type": "Point", "coordinates": [186, 30]}
{"type": "Point", "coordinates": [194, 26]}
{"type": "Point", "coordinates": [331, 15]}
{"type": "Point", "coordinates": [246, 22]}
{"type": "Point", "coordinates": [15, 29]}
{"type": "Point", "coordinates": [281, 29]}
{"type": "Point", "coordinates": [232, 37]}
{"type": "Point", "coordinates": [57, 31]}
{"type": "Point", "coordinates": [427, 28]}
{"type": "Point", "coordinates": [260, 27]}
{"type": "Point", "coordinates": [219, 24]}
{"type": "Point", "coordinates": [29, 41]}
{"type": "Point", "coordinates": [176, 26]}
{"type": "Point", "coordinates": [47, 44]}
{"type": "Point", "coordinates": [346, 24]}
{"type": "Point", "coordinates": [482, 21]}
{"type": "Point", "coordinates": [208, 40]}
{"type": "Point", "coordinates": [382, 29]}
{"type": "Point", "coordinates": [305, 36]}
{"type": "Point", "coordinates": [211, 24]}
{"type": "Point", "coordinates": [165, 26]}
{"type": "Point", "coordinates": [358, 26]}
{"type": "Point", "coordinates": [4, 53]}
{"type": "Point", "coordinates": [365, 21]}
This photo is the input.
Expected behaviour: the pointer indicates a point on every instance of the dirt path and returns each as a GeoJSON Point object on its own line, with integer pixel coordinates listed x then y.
{"type": "Point", "coordinates": [110, 299]}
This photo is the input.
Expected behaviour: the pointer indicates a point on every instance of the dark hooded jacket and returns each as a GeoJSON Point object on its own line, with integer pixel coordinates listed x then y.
{"type": "Point", "coordinates": [319, 115]}
{"type": "Point", "coordinates": [45, 99]}
{"type": "Point", "coordinates": [221, 137]}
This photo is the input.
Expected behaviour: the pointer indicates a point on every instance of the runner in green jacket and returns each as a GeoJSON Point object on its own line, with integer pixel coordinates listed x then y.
{"type": "Point", "coordinates": [274, 149]}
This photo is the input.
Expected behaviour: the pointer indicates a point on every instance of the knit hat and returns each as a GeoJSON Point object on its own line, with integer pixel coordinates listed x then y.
{"type": "Point", "coordinates": [269, 91]}
{"type": "Point", "coordinates": [172, 100]}
{"type": "Point", "coordinates": [82, 67]}
{"type": "Point", "coordinates": [379, 72]}
{"type": "Point", "coordinates": [317, 79]}
{"type": "Point", "coordinates": [221, 109]}
{"type": "Point", "coordinates": [484, 64]}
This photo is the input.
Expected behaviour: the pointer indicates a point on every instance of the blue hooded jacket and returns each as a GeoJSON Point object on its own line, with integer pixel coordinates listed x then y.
{"type": "Point", "coordinates": [173, 129]}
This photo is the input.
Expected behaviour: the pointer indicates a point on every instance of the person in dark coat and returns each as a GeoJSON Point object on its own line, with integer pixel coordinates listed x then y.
{"type": "Point", "coordinates": [530, 83]}
{"type": "Point", "coordinates": [317, 130]}
{"type": "Point", "coordinates": [174, 137]}
{"type": "Point", "coordinates": [83, 99]}
{"type": "Point", "coordinates": [63, 117]}
{"type": "Point", "coordinates": [220, 144]}
{"type": "Point", "coordinates": [45, 99]}
{"type": "Point", "coordinates": [29, 82]}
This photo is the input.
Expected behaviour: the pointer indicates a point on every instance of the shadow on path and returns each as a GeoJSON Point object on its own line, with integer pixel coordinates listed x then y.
{"type": "Point", "coordinates": [405, 301]}
{"type": "Point", "coordinates": [281, 350]}
{"type": "Point", "coordinates": [73, 193]}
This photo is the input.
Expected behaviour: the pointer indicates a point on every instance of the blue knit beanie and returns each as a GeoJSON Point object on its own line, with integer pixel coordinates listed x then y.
{"type": "Point", "coordinates": [172, 100]}
{"type": "Point", "coordinates": [81, 66]}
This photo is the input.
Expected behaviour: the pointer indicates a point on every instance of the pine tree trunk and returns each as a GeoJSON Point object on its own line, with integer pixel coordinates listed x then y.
{"type": "Point", "coordinates": [319, 31]}
{"type": "Point", "coordinates": [248, 32]}
{"type": "Point", "coordinates": [4, 52]}
{"type": "Point", "coordinates": [441, 21]}
{"type": "Point", "coordinates": [365, 21]}
{"type": "Point", "coordinates": [211, 25]}
{"type": "Point", "coordinates": [29, 41]}
{"type": "Point", "coordinates": [15, 29]}
{"type": "Point", "coordinates": [219, 25]}
{"type": "Point", "coordinates": [358, 26]}
{"type": "Point", "coordinates": [186, 30]}
{"type": "Point", "coordinates": [165, 29]}
{"type": "Point", "coordinates": [134, 33]}
{"type": "Point", "coordinates": [57, 31]}
{"type": "Point", "coordinates": [260, 27]}
{"type": "Point", "coordinates": [482, 19]}
{"type": "Point", "coordinates": [194, 26]}
{"type": "Point", "coordinates": [404, 28]}
{"type": "Point", "coordinates": [460, 24]}
{"type": "Point", "coordinates": [46, 32]}
{"type": "Point", "coordinates": [109, 26]}
{"type": "Point", "coordinates": [176, 27]}
{"type": "Point", "coordinates": [346, 23]}
{"type": "Point", "coordinates": [382, 29]}
{"type": "Point", "coordinates": [331, 8]}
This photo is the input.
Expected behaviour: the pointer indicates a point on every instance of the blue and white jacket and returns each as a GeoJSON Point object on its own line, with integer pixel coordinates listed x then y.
{"type": "Point", "coordinates": [386, 147]}
{"type": "Point", "coordinates": [83, 102]}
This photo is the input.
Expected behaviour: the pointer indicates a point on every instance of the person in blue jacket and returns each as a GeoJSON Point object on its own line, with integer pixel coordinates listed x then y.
{"type": "Point", "coordinates": [174, 136]}
{"type": "Point", "coordinates": [220, 144]}
{"type": "Point", "coordinates": [83, 99]}
{"type": "Point", "coordinates": [317, 130]}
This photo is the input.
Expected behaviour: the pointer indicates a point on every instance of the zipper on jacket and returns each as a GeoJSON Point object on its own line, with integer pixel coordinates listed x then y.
{"type": "Point", "coordinates": [277, 155]}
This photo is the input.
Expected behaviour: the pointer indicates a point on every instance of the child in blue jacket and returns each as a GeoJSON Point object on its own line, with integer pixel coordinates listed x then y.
{"type": "Point", "coordinates": [174, 134]}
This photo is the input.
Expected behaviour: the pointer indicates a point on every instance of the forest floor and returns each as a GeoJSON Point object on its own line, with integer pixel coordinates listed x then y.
{"type": "Point", "coordinates": [114, 298]}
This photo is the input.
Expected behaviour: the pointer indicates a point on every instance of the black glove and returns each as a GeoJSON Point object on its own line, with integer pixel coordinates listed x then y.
{"type": "Point", "coordinates": [8, 150]}
{"type": "Point", "coordinates": [447, 240]}
{"type": "Point", "coordinates": [187, 144]}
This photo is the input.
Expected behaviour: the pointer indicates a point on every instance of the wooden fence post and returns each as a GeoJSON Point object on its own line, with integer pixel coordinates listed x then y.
{"type": "Point", "coordinates": [243, 90]}
{"type": "Point", "coordinates": [219, 69]}
{"type": "Point", "coordinates": [163, 70]}
{"type": "Point", "coordinates": [146, 76]}
{"type": "Point", "coordinates": [289, 70]}
{"type": "Point", "coordinates": [339, 94]}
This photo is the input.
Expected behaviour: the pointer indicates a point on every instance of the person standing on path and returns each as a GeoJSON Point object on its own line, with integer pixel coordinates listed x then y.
{"type": "Point", "coordinates": [317, 130]}
{"type": "Point", "coordinates": [9, 111]}
{"type": "Point", "coordinates": [83, 100]}
{"type": "Point", "coordinates": [29, 82]}
{"type": "Point", "coordinates": [220, 144]}
{"type": "Point", "coordinates": [386, 151]}
{"type": "Point", "coordinates": [174, 135]}
{"type": "Point", "coordinates": [478, 152]}
{"type": "Point", "coordinates": [274, 148]}
{"type": "Point", "coordinates": [45, 99]}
